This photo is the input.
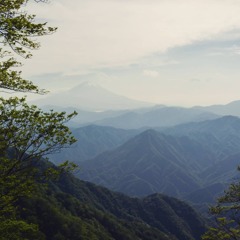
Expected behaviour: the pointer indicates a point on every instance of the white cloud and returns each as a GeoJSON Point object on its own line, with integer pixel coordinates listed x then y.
{"type": "Point", "coordinates": [225, 51]}
{"type": "Point", "coordinates": [95, 33]}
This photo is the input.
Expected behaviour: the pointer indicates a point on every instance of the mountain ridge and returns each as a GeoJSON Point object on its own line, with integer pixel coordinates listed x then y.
{"type": "Point", "coordinates": [175, 161]}
{"type": "Point", "coordinates": [160, 117]}
{"type": "Point", "coordinates": [152, 162]}
{"type": "Point", "coordinates": [91, 141]}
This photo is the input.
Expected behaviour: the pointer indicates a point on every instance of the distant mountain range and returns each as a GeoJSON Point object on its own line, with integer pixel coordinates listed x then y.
{"type": "Point", "coordinates": [222, 135]}
{"type": "Point", "coordinates": [232, 108]}
{"type": "Point", "coordinates": [163, 116]}
{"type": "Point", "coordinates": [91, 141]}
{"type": "Point", "coordinates": [181, 161]}
{"type": "Point", "coordinates": [146, 164]}
{"type": "Point", "coordinates": [98, 106]}
{"type": "Point", "coordinates": [149, 117]}
{"type": "Point", "coordinates": [157, 117]}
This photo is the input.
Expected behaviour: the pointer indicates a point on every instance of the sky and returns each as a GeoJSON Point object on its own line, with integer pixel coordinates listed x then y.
{"type": "Point", "coordinates": [173, 52]}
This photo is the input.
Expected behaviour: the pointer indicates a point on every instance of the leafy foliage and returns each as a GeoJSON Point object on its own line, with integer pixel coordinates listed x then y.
{"type": "Point", "coordinates": [227, 216]}
{"type": "Point", "coordinates": [11, 80]}
{"type": "Point", "coordinates": [29, 130]}
{"type": "Point", "coordinates": [18, 30]}
{"type": "Point", "coordinates": [26, 132]}
{"type": "Point", "coordinates": [19, 229]}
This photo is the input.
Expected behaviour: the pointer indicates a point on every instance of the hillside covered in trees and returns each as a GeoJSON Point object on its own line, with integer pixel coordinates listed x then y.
{"type": "Point", "coordinates": [72, 209]}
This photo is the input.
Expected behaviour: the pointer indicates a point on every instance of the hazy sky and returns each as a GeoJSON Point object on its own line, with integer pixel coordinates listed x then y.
{"type": "Point", "coordinates": [175, 52]}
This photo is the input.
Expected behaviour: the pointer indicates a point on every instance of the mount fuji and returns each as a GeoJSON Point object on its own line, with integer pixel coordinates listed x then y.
{"type": "Point", "coordinates": [91, 97]}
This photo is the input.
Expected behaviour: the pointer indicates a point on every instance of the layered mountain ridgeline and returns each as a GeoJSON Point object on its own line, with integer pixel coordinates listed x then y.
{"type": "Point", "coordinates": [220, 136]}
{"type": "Point", "coordinates": [85, 117]}
{"type": "Point", "coordinates": [232, 108]}
{"type": "Point", "coordinates": [225, 131]}
{"type": "Point", "coordinates": [157, 117]}
{"type": "Point", "coordinates": [150, 162]}
{"type": "Point", "coordinates": [93, 140]}
{"type": "Point", "coordinates": [179, 165]}
{"type": "Point", "coordinates": [93, 103]}
{"type": "Point", "coordinates": [73, 209]}
{"type": "Point", "coordinates": [148, 117]}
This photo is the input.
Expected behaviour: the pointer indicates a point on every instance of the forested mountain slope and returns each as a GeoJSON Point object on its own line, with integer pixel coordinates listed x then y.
{"type": "Point", "coordinates": [73, 209]}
